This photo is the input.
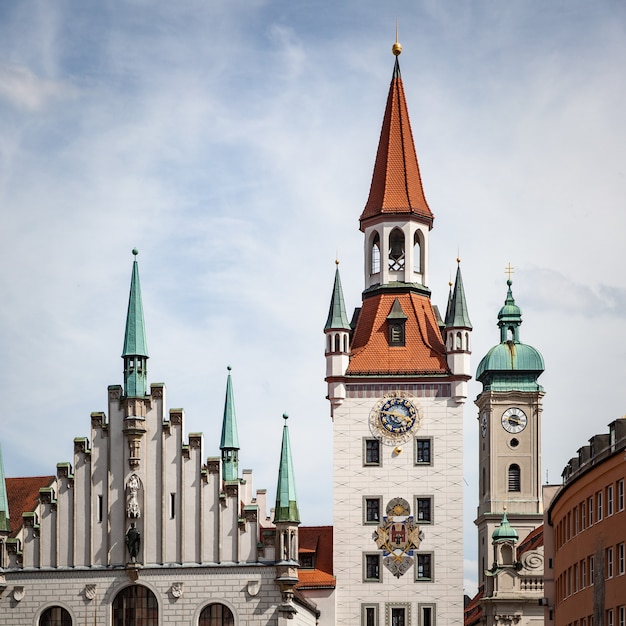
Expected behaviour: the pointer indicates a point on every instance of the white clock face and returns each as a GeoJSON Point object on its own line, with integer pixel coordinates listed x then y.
{"type": "Point", "coordinates": [483, 425]}
{"type": "Point", "coordinates": [514, 420]}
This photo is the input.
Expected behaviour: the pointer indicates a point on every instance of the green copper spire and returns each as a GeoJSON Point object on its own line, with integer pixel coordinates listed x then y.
{"type": "Point", "coordinates": [229, 444]}
{"type": "Point", "coordinates": [511, 365]}
{"type": "Point", "coordinates": [337, 317]}
{"type": "Point", "coordinates": [135, 352]}
{"type": "Point", "coordinates": [286, 509]}
{"type": "Point", "coordinates": [457, 315]}
{"type": "Point", "coordinates": [5, 525]}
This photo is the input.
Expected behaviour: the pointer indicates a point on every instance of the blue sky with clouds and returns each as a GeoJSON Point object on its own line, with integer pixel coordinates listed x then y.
{"type": "Point", "coordinates": [233, 144]}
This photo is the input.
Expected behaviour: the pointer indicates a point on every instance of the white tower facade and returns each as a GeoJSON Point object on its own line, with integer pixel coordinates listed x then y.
{"type": "Point", "coordinates": [397, 417]}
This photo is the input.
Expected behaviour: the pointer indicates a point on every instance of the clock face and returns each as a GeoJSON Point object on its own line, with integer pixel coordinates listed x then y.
{"type": "Point", "coordinates": [514, 420]}
{"type": "Point", "coordinates": [393, 419]}
{"type": "Point", "coordinates": [483, 425]}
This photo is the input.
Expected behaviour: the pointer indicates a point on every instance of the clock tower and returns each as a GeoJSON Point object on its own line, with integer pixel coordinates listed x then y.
{"type": "Point", "coordinates": [397, 381]}
{"type": "Point", "coordinates": [509, 414]}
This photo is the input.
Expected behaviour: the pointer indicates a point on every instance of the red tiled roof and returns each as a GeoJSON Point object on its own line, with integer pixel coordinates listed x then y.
{"type": "Point", "coordinates": [23, 495]}
{"type": "Point", "coordinates": [317, 539]}
{"type": "Point", "coordinates": [532, 541]}
{"type": "Point", "coordinates": [423, 353]}
{"type": "Point", "coordinates": [473, 612]}
{"type": "Point", "coordinates": [396, 182]}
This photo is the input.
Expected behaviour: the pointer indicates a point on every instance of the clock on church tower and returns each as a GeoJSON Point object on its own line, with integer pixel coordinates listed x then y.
{"type": "Point", "coordinates": [509, 414]}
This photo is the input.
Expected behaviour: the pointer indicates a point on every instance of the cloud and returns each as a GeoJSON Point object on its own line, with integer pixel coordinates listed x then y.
{"type": "Point", "coordinates": [23, 89]}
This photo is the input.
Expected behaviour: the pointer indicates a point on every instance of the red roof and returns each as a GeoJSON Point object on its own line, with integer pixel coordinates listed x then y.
{"type": "Point", "coordinates": [23, 495]}
{"type": "Point", "coordinates": [423, 353]}
{"type": "Point", "coordinates": [319, 540]}
{"type": "Point", "coordinates": [473, 611]}
{"type": "Point", "coordinates": [396, 181]}
{"type": "Point", "coordinates": [532, 541]}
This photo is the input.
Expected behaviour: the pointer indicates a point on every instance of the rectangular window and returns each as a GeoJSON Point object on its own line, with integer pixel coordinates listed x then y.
{"type": "Point", "coordinates": [369, 615]}
{"type": "Point", "coordinates": [575, 518]}
{"type": "Point", "coordinates": [427, 615]}
{"type": "Point", "coordinates": [620, 559]}
{"type": "Point", "coordinates": [609, 500]}
{"type": "Point", "coordinates": [621, 612]}
{"type": "Point", "coordinates": [424, 507]}
{"type": "Point", "coordinates": [598, 506]}
{"type": "Point", "coordinates": [620, 495]}
{"type": "Point", "coordinates": [307, 560]}
{"type": "Point", "coordinates": [172, 505]}
{"type": "Point", "coordinates": [371, 452]}
{"type": "Point", "coordinates": [424, 566]}
{"type": "Point", "coordinates": [100, 507]}
{"type": "Point", "coordinates": [575, 577]}
{"type": "Point", "coordinates": [371, 568]}
{"type": "Point", "coordinates": [609, 562]}
{"type": "Point", "coordinates": [591, 577]}
{"type": "Point", "coordinates": [371, 511]}
{"type": "Point", "coordinates": [609, 618]}
{"type": "Point", "coordinates": [582, 515]}
{"type": "Point", "coordinates": [423, 451]}
{"type": "Point", "coordinates": [583, 574]}
{"type": "Point", "coordinates": [398, 617]}
{"type": "Point", "coordinates": [590, 511]}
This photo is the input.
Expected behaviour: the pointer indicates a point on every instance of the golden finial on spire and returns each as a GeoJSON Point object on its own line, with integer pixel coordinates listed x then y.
{"type": "Point", "coordinates": [397, 47]}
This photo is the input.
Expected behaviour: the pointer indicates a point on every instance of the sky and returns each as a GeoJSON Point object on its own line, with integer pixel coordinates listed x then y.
{"type": "Point", "coordinates": [233, 142]}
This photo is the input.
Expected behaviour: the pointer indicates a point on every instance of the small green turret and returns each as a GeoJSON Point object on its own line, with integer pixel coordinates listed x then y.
{"type": "Point", "coordinates": [286, 509]}
{"type": "Point", "coordinates": [229, 443]}
{"type": "Point", "coordinates": [135, 352]}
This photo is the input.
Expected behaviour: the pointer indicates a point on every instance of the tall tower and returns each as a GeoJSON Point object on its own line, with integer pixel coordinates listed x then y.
{"type": "Point", "coordinates": [509, 413]}
{"type": "Point", "coordinates": [396, 395]}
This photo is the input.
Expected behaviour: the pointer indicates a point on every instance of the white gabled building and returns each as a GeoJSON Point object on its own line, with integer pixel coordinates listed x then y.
{"type": "Point", "coordinates": [142, 529]}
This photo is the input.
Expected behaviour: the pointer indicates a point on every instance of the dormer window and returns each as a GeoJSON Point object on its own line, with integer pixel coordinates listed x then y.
{"type": "Point", "coordinates": [396, 321]}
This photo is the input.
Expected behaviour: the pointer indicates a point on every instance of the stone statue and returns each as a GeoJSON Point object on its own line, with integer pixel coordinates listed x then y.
{"type": "Point", "coordinates": [133, 542]}
{"type": "Point", "coordinates": [132, 506]}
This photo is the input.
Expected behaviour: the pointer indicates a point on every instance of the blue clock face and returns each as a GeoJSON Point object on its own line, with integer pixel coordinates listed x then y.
{"type": "Point", "coordinates": [397, 415]}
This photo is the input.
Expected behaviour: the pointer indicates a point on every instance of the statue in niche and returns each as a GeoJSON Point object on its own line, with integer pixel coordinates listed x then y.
{"type": "Point", "coordinates": [133, 542]}
{"type": "Point", "coordinates": [132, 506]}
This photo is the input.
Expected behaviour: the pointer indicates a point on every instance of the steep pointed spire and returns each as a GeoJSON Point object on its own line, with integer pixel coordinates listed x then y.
{"type": "Point", "coordinates": [229, 444]}
{"type": "Point", "coordinates": [5, 525]}
{"type": "Point", "coordinates": [337, 318]}
{"type": "Point", "coordinates": [396, 183]}
{"type": "Point", "coordinates": [286, 509]}
{"type": "Point", "coordinates": [457, 315]}
{"type": "Point", "coordinates": [135, 351]}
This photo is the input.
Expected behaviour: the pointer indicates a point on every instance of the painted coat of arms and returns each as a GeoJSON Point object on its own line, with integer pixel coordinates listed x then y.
{"type": "Point", "coordinates": [398, 536]}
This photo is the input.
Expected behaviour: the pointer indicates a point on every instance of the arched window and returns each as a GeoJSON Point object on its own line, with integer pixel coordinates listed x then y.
{"type": "Point", "coordinates": [135, 606]}
{"type": "Point", "coordinates": [216, 615]}
{"type": "Point", "coordinates": [345, 343]}
{"type": "Point", "coordinates": [514, 477]}
{"type": "Point", "coordinates": [375, 255]}
{"type": "Point", "coordinates": [467, 345]}
{"type": "Point", "coordinates": [55, 616]}
{"type": "Point", "coordinates": [396, 250]}
{"type": "Point", "coordinates": [417, 252]}
{"type": "Point", "coordinates": [506, 553]}
{"type": "Point", "coordinates": [329, 343]}
{"type": "Point", "coordinates": [458, 341]}
{"type": "Point", "coordinates": [337, 345]}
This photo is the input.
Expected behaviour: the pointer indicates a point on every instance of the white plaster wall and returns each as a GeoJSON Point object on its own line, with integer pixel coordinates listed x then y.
{"type": "Point", "coordinates": [399, 477]}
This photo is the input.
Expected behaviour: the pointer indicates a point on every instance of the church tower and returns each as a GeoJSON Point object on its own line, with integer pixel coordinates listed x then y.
{"type": "Point", "coordinates": [509, 413]}
{"type": "Point", "coordinates": [396, 392]}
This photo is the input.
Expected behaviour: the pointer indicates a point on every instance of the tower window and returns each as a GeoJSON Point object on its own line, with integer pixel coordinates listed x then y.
{"type": "Point", "coordinates": [417, 253]}
{"type": "Point", "coordinates": [375, 255]}
{"type": "Point", "coordinates": [424, 508]}
{"type": "Point", "coordinates": [396, 250]}
{"type": "Point", "coordinates": [396, 334]}
{"type": "Point", "coordinates": [371, 452]}
{"type": "Point", "coordinates": [423, 451]}
{"type": "Point", "coordinates": [172, 505]}
{"type": "Point", "coordinates": [514, 478]}
{"type": "Point", "coordinates": [424, 566]}
{"type": "Point", "coordinates": [398, 617]}
{"type": "Point", "coordinates": [370, 615]}
{"type": "Point", "coordinates": [371, 566]}
{"type": "Point", "coordinates": [372, 510]}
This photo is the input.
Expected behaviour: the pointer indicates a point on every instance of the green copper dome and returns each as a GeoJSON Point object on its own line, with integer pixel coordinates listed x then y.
{"type": "Point", "coordinates": [505, 532]}
{"type": "Point", "coordinates": [510, 365]}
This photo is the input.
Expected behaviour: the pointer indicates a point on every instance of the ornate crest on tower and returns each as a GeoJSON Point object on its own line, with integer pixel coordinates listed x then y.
{"type": "Point", "coordinates": [398, 536]}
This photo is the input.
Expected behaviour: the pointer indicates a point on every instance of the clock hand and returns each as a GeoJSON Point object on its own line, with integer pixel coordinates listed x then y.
{"type": "Point", "coordinates": [401, 416]}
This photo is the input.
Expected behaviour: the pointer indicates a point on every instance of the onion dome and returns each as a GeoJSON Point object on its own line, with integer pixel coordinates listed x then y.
{"type": "Point", "coordinates": [504, 532]}
{"type": "Point", "coordinates": [510, 365]}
